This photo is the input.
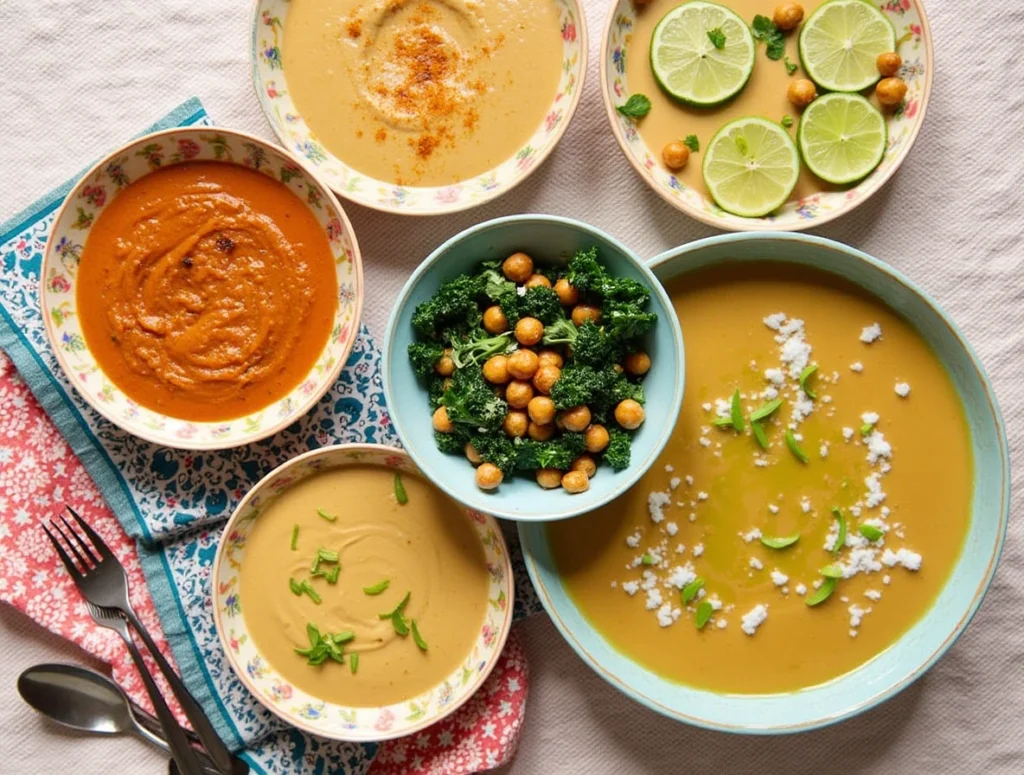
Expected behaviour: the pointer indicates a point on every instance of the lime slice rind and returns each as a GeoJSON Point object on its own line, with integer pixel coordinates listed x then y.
{"type": "Point", "coordinates": [840, 42]}
{"type": "Point", "coordinates": [842, 138]}
{"type": "Point", "coordinates": [751, 167]}
{"type": "Point", "coordinates": [687, 65]}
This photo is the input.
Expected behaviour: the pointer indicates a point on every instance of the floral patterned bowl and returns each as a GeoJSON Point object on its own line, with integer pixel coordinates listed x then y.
{"type": "Point", "coordinates": [296, 707]}
{"type": "Point", "coordinates": [97, 188]}
{"type": "Point", "coordinates": [914, 42]}
{"type": "Point", "coordinates": [272, 92]}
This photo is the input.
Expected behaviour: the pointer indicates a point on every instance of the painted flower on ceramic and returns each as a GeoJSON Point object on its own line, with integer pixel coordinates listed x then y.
{"type": "Point", "coordinates": [569, 31]}
{"type": "Point", "coordinates": [94, 195]}
{"type": "Point", "coordinates": [311, 711]}
{"type": "Point", "coordinates": [280, 691]}
{"type": "Point", "coordinates": [334, 229]}
{"type": "Point", "coordinates": [58, 283]}
{"type": "Point", "coordinates": [384, 721]}
{"type": "Point", "coordinates": [488, 633]}
{"type": "Point", "coordinates": [187, 149]}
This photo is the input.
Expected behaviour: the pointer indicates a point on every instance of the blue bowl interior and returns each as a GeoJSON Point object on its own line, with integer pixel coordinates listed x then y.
{"type": "Point", "coordinates": [548, 239]}
{"type": "Point", "coordinates": [929, 638]}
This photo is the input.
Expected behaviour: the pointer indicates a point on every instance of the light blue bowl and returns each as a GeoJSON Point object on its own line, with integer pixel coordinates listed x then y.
{"type": "Point", "coordinates": [548, 239]}
{"type": "Point", "coordinates": [907, 659]}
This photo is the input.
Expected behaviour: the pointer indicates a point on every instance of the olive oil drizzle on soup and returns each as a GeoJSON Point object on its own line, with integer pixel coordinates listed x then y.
{"type": "Point", "coordinates": [714, 500]}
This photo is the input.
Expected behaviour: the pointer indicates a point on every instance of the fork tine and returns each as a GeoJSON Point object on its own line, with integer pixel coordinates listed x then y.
{"type": "Point", "coordinates": [78, 539]}
{"type": "Point", "coordinates": [85, 565]}
{"type": "Point", "coordinates": [68, 564]}
{"type": "Point", "coordinates": [97, 542]}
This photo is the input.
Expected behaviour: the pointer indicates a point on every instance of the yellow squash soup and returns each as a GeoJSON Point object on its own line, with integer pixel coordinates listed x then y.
{"type": "Point", "coordinates": [369, 553]}
{"type": "Point", "coordinates": [422, 92]}
{"type": "Point", "coordinates": [888, 469]}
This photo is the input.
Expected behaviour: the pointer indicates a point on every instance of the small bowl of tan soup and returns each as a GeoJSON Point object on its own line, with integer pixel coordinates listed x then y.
{"type": "Point", "coordinates": [419, 106]}
{"type": "Point", "coordinates": [357, 601]}
{"type": "Point", "coordinates": [826, 516]}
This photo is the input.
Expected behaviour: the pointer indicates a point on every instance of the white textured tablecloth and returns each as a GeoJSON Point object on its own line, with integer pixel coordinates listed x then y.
{"type": "Point", "coordinates": [79, 77]}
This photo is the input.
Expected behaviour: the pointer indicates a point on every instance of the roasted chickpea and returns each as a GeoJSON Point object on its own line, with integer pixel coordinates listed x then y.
{"type": "Point", "coordinates": [445, 366]}
{"type": "Point", "coordinates": [559, 423]}
{"type": "Point", "coordinates": [529, 331]}
{"type": "Point", "coordinates": [545, 378]}
{"type": "Point", "coordinates": [638, 363]}
{"type": "Point", "coordinates": [549, 358]}
{"type": "Point", "coordinates": [596, 438]}
{"type": "Point", "coordinates": [586, 464]}
{"type": "Point", "coordinates": [788, 15]}
{"type": "Point", "coordinates": [541, 410]}
{"type": "Point", "coordinates": [581, 313]}
{"type": "Point", "coordinates": [540, 432]}
{"type": "Point", "coordinates": [472, 455]}
{"type": "Point", "coordinates": [576, 418]}
{"type": "Point", "coordinates": [538, 281]}
{"type": "Point", "coordinates": [890, 92]}
{"type": "Point", "coordinates": [549, 478]}
{"type": "Point", "coordinates": [495, 321]}
{"type": "Point", "coordinates": [518, 267]}
{"type": "Point", "coordinates": [889, 63]}
{"type": "Point", "coordinates": [575, 481]}
{"type": "Point", "coordinates": [441, 422]}
{"type": "Point", "coordinates": [523, 364]}
{"type": "Point", "coordinates": [488, 476]}
{"type": "Point", "coordinates": [496, 370]}
{"type": "Point", "coordinates": [675, 155]}
{"type": "Point", "coordinates": [566, 293]}
{"type": "Point", "coordinates": [515, 424]}
{"type": "Point", "coordinates": [801, 92]}
{"type": "Point", "coordinates": [629, 414]}
{"type": "Point", "coordinates": [518, 393]}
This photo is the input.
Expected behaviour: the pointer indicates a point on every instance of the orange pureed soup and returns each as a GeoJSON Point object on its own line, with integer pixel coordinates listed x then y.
{"type": "Point", "coordinates": [206, 291]}
{"type": "Point", "coordinates": [742, 539]}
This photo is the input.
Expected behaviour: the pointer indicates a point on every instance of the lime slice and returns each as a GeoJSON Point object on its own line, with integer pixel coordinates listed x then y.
{"type": "Point", "coordinates": [840, 42]}
{"type": "Point", "coordinates": [686, 62]}
{"type": "Point", "coordinates": [842, 137]}
{"type": "Point", "coordinates": [751, 166]}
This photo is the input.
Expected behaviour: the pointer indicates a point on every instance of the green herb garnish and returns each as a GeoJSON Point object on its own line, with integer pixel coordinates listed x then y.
{"type": "Point", "coordinates": [841, 537]}
{"type": "Point", "coordinates": [400, 495]}
{"type": "Point", "coordinates": [295, 537]}
{"type": "Point", "coordinates": [866, 428]}
{"type": "Point", "coordinates": [704, 611]}
{"type": "Point", "coordinates": [323, 646]}
{"type": "Point", "coordinates": [398, 622]}
{"type": "Point", "coordinates": [343, 637]}
{"type": "Point", "coordinates": [765, 410]}
{"type": "Point", "coordinates": [422, 644]}
{"type": "Point", "coordinates": [870, 532]}
{"type": "Point", "coordinates": [691, 142]}
{"type": "Point", "coordinates": [307, 588]}
{"type": "Point", "coordinates": [790, 66]}
{"type": "Point", "coordinates": [787, 121]}
{"type": "Point", "coordinates": [353, 662]}
{"type": "Point", "coordinates": [327, 555]}
{"type": "Point", "coordinates": [376, 589]}
{"type": "Point", "coordinates": [637, 106]}
{"type": "Point", "coordinates": [325, 515]}
{"type": "Point", "coordinates": [798, 453]}
{"type": "Point", "coordinates": [759, 434]}
{"type": "Point", "coordinates": [780, 542]}
{"type": "Point", "coordinates": [690, 590]}
{"type": "Point", "coordinates": [647, 560]}
{"type": "Point", "coordinates": [295, 587]}
{"type": "Point", "coordinates": [833, 571]}
{"type": "Point", "coordinates": [398, 608]}
{"type": "Point", "coordinates": [331, 577]}
{"type": "Point", "coordinates": [822, 593]}
{"type": "Point", "coordinates": [736, 411]}
{"type": "Point", "coordinates": [717, 37]}
{"type": "Point", "coordinates": [765, 29]}
{"type": "Point", "coordinates": [805, 375]}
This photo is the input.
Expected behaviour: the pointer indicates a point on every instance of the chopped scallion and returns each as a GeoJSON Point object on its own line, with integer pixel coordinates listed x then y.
{"type": "Point", "coordinates": [736, 411]}
{"type": "Point", "coordinates": [780, 542]}
{"type": "Point", "coordinates": [398, 622]}
{"type": "Point", "coordinates": [690, 590]}
{"type": "Point", "coordinates": [400, 495]}
{"type": "Point", "coordinates": [841, 537]}
{"type": "Point", "coordinates": [794, 447]}
{"type": "Point", "coordinates": [805, 375]}
{"type": "Point", "coordinates": [722, 422]}
{"type": "Point", "coordinates": [704, 611]}
{"type": "Point", "coordinates": [422, 644]}
{"type": "Point", "coordinates": [310, 592]}
{"type": "Point", "coordinates": [766, 410]}
{"type": "Point", "coordinates": [331, 576]}
{"type": "Point", "coordinates": [833, 571]}
{"type": "Point", "coordinates": [647, 560]}
{"type": "Point", "coordinates": [376, 589]}
{"type": "Point", "coordinates": [866, 428]}
{"type": "Point", "coordinates": [353, 662]}
{"type": "Point", "coordinates": [870, 532]}
{"type": "Point", "coordinates": [327, 555]}
{"type": "Point", "coordinates": [295, 587]}
{"type": "Point", "coordinates": [343, 637]}
{"type": "Point", "coordinates": [759, 434]}
{"type": "Point", "coordinates": [822, 593]}
{"type": "Point", "coordinates": [325, 515]}
{"type": "Point", "coordinates": [295, 537]}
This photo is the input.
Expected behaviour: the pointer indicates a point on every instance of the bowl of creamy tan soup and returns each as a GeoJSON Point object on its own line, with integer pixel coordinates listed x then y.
{"type": "Point", "coordinates": [357, 601]}
{"type": "Point", "coordinates": [827, 515]}
{"type": "Point", "coordinates": [419, 106]}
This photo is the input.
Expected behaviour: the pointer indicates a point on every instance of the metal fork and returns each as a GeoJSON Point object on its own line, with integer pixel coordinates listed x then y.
{"type": "Point", "coordinates": [102, 580]}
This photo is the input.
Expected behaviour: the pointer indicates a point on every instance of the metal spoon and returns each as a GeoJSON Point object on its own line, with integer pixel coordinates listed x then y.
{"type": "Point", "coordinates": [90, 702]}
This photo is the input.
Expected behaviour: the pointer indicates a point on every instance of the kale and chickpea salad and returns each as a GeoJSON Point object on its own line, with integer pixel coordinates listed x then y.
{"type": "Point", "coordinates": [535, 370]}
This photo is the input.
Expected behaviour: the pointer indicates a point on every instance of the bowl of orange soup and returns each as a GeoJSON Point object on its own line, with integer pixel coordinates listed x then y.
{"type": "Point", "coordinates": [357, 601]}
{"type": "Point", "coordinates": [202, 288]}
{"type": "Point", "coordinates": [419, 107]}
{"type": "Point", "coordinates": [827, 515]}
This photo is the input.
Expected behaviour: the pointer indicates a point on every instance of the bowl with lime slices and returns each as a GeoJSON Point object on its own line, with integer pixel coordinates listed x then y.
{"type": "Point", "coordinates": [755, 115]}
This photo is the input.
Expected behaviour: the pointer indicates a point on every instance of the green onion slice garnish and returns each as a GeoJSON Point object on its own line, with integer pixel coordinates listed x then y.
{"type": "Point", "coordinates": [647, 560]}
{"type": "Point", "coordinates": [780, 542]}
{"type": "Point", "coordinates": [353, 662]}
{"type": "Point", "coordinates": [805, 375]}
{"type": "Point", "coordinates": [736, 411]}
{"type": "Point", "coordinates": [794, 447]}
{"type": "Point", "coordinates": [400, 495]}
{"type": "Point", "coordinates": [866, 428]}
{"type": "Point", "coordinates": [766, 410]}
{"type": "Point", "coordinates": [759, 435]}
{"type": "Point", "coordinates": [332, 575]}
{"type": "Point", "coordinates": [326, 555]}
{"type": "Point", "coordinates": [833, 571]}
{"type": "Point", "coordinates": [295, 537]}
{"type": "Point", "coordinates": [841, 538]}
{"type": "Point", "coordinates": [376, 589]}
{"type": "Point", "coordinates": [822, 593]}
{"type": "Point", "coordinates": [690, 590]}
{"type": "Point", "coordinates": [295, 587]}
{"type": "Point", "coordinates": [325, 515]}
{"type": "Point", "coordinates": [870, 532]}
{"type": "Point", "coordinates": [398, 622]}
{"type": "Point", "coordinates": [343, 637]}
{"type": "Point", "coordinates": [398, 608]}
{"type": "Point", "coordinates": [704, 611]}
{"type": "Point", "coordinates": [722, 422]}
{"type": "Point", "coordinates": [310, 592]}
{"type": "Point", "coordinates": [422, 644]}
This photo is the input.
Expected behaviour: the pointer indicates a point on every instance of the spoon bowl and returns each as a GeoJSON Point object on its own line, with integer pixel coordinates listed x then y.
{"type": "Point", "coordinates": [77, 698]}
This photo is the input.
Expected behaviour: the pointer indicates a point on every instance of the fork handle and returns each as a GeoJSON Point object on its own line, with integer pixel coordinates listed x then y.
{"type": "Point", "coordinates": [200, 723]}
{"type": "Point", "coordinates": [183, 753]}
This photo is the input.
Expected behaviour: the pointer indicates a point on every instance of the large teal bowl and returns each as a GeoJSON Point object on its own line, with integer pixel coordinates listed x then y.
{"type": "Point", "coordinates": [550, 239]}
{"type": "Point", "coordinates": [906, 660]}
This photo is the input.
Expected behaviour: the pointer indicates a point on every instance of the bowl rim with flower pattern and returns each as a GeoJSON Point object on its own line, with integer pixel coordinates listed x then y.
{"type": "Point", "coordinates": [927, 639]}
{"type": "Point", "coordinates": [98, 187]}
{"type": "Point", "coordinates": [911, 23]}
{"type": "Point", "coordinates": [271, 90]}
{"type": "Point", "coordinates": [309, 713]}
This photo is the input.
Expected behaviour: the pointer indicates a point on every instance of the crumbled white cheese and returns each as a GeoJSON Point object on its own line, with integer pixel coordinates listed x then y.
{"type": "Point", "coordinates": [681, 575]}
{"type": "Point", "coordinates": [521, 290]}
{"type": "Point", "coordinates": [857, 614]}
{"type": "Point", "coordinates": [770, 393]}
{"type": "Point", "coordinates": [878, 447]}
{"type": "Point", "coordinates": [802, 408]}
{"type": "Point", "coordinates": [689, 480]}
{"type": "Point", "coordinates": [633, 541]}
{"type": "Point", "coordinates": [902, 389]}
{"type": "Point", "coordinates": [857, 366]}
{"type": "Point", "coordinates": [885, 511]}
{"type": "Point", "coordinates": [800, 589]}
{"type": "Point", "coordinates": [875, 494]}
{"type": "Point", "coordinates": [860, 559]}
{"type": "Point", "coordinates": [698, 550]}
{"type": "Point", "coordinates": [756, 564]}
{"type": "Point", "coordinates": [704, 441]}
{"type": "Point", "coordinates": [653, 598]}
{"type": "Point", "coordinates": [706, 406]}
{"type": "Point", "coordinates": [723, 408]}
{"type": "Point", "coordinates": [674, 483]}
{"type": "Point", "coordinates": [847, 433]}
{"type": "Point", "coordinates": [671, 528]}
{"type": "Point", "coordinates": [702, 496]}
{"type": "Point", "coordinates": [754, 618]}
{"type": "Point", "coordinates": [886, 579]}
{"type": "Point", "coordinates": [669, 468]}
{"type": "Point", "coordinates": [656, 503]}
{"type": "Point", "coordinates": [751, 535]}
{"type": "Point", "coordinates": [665, 615]}
{"type": "Point", "coordinates": [614, 584]}
{"type": "Point", "coordinates": [805, 505]}
{"type": "Point", "coordinates": [873, 594]}
{"type": "Point", "coordinates": [631, 587]}
{"type": "Point", "coordinates": [650, 580]}
{"type": "Point", "coordinates": [869, 418]}
{"type": "Point", "coordinates": [775, 320]}
{"type": "Point", "coordinates": [908, 559]}
{"type": "Point", "coordinates": [775, 376]}
{"type": "Point", "coordinates": [721, 624]}
{"type": "Point", "coordinates": [714, 601]}
{"type": "Point", "coordinates": [779, 578]}
{"type": "Point", "coordinates": [773, 508]}
{"type": "Point", "coordinates": [853, 633]}
{"type": "Point", "coordinates": [761, 462]}
{"type": "Point", "coordinates": [871, 333]}
{"type": "Point", "coordinates": [823, 450]}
